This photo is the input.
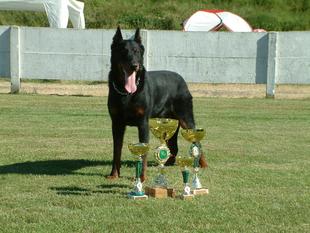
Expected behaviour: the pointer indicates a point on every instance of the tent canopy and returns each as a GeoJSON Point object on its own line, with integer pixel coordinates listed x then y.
{"type": "Point", "coordinates": [58, 11]}
{"type": "Point", "coordinates": [214, 20]}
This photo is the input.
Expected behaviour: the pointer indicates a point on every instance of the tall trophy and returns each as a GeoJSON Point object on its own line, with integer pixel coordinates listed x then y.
{"type": "Point", "coordinates": [163, 129]}
{"type": "Point", "coordinates": [195, 136]}
{"type": "Point", "coordinates": [138, 149]}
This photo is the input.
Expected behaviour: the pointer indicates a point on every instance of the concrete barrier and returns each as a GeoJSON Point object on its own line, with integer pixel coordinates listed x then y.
{"type": "Point", "coordinates": [216, 57]}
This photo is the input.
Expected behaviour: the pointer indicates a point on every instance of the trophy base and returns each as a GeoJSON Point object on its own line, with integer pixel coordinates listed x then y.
{"type": "Point", "coordinates": [203, 191]}
{"type": "Point", "coordinates": [143, 197]}
{"type": "Point", "coordinates": [160, 192]}
{"type": "Point", "coordinates": [187, 197]}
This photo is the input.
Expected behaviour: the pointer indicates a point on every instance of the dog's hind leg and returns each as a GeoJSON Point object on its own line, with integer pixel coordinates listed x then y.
{"type": "Point", "coordinates": [173, 147]}
{"type": "Point", "coordinates": [202, 161]}
{"type": "Point", "coordinates": [184, 111]}
{"type": "Point", "coordinates": [118, 131]}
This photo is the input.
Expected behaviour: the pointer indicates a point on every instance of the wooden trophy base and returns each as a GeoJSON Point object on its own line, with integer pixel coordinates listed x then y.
{"type": "Point", "coordinates": [160, 192]}
{"type": "Point", "coordinates": [144, 197]}
{"type": "Point", "coordinates": [200, 191]}
{"type": "Point", "coordinates": [187, 197]}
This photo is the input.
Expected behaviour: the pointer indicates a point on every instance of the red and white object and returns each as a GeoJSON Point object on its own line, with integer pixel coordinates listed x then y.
{"type": "Point", "coordinates": [214, 20]}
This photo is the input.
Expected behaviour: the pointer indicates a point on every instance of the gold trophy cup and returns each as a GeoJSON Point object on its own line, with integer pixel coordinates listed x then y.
{"type": "Point", "coordinates": [195, 136]}
{"type": "Point", "coordinates": [163, 129]}
{"type": "Point", "coordinates": [138, 149]}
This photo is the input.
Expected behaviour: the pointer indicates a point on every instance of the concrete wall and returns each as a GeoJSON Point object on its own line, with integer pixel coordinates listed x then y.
{"type": "Point", "coordinates": [293, 57]}
{"type": "Point", "coordinates": [64, 54]}
{"type": "Point", "coordinates": [223, 57]}
{"type": "Point", "coordinates": [210, 57]}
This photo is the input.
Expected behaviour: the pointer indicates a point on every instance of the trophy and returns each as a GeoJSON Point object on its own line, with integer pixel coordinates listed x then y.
{"type": "Point", "coordinates": [185, 162]}
{"type": "Point", "coordinates": [138, 149]}
{"type": "Point", "coordinates": [195, 136]}
{"type": "Point", "coordinates": [163, 129]}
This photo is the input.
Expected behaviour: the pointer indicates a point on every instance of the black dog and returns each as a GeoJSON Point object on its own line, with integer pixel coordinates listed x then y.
{"type": "Point", "coordinates": [135, 95]}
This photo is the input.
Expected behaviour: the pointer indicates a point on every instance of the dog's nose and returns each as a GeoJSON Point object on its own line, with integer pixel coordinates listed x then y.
{"type": "Point", "coordinates": [135, 67]}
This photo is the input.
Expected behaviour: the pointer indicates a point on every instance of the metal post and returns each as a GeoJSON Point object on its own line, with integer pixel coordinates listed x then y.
{"type": "Point", "coordinates": [272, 64]}
{"type": "Point", "coordinates": [15, 59]}
{"type": "Point", "coordinates": [145, 42]}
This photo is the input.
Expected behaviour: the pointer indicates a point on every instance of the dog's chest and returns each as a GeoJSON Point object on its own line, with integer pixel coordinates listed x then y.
{"type": "Point", "coordinates": [130, 109]}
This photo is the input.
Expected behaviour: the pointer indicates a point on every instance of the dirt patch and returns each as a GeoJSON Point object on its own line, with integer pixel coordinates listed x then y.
{"type": "Point", "coordinates": [197, 90]}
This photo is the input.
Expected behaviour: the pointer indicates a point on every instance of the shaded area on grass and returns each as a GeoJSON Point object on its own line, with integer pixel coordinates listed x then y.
{"type": "Point", "coordinates": [71, 190]}
{"type": "Point", "coordinates": [58, 167]}
{"type": "Point", "coordinates": [114, 188]}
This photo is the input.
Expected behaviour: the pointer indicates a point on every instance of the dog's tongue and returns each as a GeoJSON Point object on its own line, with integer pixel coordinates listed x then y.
{"type": "Point", "coordinates": [130, 82]}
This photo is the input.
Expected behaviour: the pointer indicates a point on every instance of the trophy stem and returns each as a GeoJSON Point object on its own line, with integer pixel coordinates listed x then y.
{"type": "Point", "coordinates": [185, 175]}
{"type": "Point", "coordinates": [163, 143]}
{"type": "Point", "coordinates": [161, 180]}
{"type": "Point", "coordinates": [138, 168]}
{"type": "Point", "coordinates": [187, 190]}
{"type": "Point", "coordinates": [198, 190]}
{"type": "Point", "coordinates": [196, 181]}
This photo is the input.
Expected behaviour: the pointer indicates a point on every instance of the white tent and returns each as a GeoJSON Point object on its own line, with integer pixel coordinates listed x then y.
{"type": "Point", "coordinates": [214, 20]}
{"type": "Point", "coordinates": [58, 11]}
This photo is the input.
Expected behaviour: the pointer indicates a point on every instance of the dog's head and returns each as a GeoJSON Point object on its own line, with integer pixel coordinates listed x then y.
{"type": "Point", "coordinates": [127, 58]}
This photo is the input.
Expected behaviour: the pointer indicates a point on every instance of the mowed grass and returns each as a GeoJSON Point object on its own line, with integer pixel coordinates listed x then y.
{"type": "Point", "coordinates": [55, 152]}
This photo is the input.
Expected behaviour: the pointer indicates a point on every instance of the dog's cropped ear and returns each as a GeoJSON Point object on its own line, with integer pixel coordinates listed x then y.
{"type": "Point", "coordinates": [137, 36]}
{"type": "Point", "coordinates": [118, 36]}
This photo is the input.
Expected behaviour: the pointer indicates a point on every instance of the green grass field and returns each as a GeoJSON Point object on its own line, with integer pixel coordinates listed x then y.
{"type": "Point", "coordinates": [56, 150]}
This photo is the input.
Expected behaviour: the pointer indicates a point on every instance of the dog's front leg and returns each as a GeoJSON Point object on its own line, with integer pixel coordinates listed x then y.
{"type": "Point", "coordinates": [144, 138]}
{"type": "Point", "coordinates": [118, 131]}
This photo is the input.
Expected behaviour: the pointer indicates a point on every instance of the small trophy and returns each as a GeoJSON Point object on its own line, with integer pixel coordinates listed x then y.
{"type": "Point", "coordinates": [184, 162]}
{"type": "Point", "coordinates": [195, 136]}
{"type": "Point", "coordinates": [163, 129]}
{"type": "Point", "coordinates": [138, 149]}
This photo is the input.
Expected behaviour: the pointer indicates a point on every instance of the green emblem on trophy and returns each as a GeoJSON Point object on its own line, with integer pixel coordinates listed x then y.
{"type": "Point", "coordinates": [163, 129]}
{"type": "Point", "coordinates": [195, 136]}
{"type": "Point", "coordinates": [138, 149]}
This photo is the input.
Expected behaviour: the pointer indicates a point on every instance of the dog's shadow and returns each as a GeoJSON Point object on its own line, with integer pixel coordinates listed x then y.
{"type": "Point", "coordinates": [51, 167]}
{"type": "Point", "coordinates": [70, 167]}
{"type": "Point", "coordinates": [115, 189]}
{"type": "Point", "coordinates": [59, 167]}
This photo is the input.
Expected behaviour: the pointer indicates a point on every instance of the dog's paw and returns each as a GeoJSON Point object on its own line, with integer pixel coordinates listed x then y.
{"type": "Point", "coordinates": [112, 177]}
